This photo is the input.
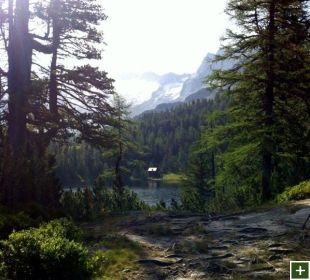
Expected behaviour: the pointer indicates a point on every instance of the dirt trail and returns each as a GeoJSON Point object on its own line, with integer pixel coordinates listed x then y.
{"type": "Point", "coordinates": [256, 245]}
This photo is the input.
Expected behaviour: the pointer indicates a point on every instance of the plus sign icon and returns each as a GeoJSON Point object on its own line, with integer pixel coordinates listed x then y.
{"type": "Point", "coordinates": [299, 270]}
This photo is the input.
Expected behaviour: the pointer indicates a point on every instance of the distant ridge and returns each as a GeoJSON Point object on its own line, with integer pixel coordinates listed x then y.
{"type": "Point", "coordinates": [175, 88]}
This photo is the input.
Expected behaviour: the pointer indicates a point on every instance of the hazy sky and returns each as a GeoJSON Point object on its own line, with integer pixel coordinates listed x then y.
{"type": "Point", "coordinates": [161, 35]}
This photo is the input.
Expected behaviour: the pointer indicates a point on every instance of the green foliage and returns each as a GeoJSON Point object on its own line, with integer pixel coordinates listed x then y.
{"type": "Point", "coordinates": [167, 136]}
{"type": "Point", "coordinates": [259, 143]}
{"type": "Point", "coordinates": [172, 178]}
{"type": "Point", "coordinates": [197, 184]}
{"type": "Point", "coordinates": [115, 241]}
{"type": "Point", "coordinates": [237, 185]}
{"type": "Point", "coordinates": [85, 204]}
{"type": "Point", "coordinates": [127, 201]}
{"type": "Point", "coordinates": [164, 140]}
{"type": "Point", "coordinates": [48, 252]}
{"type": "Point", "coordinates": [77, 204]}
{"type": "Point", "coordinates": [38, 108]}
{"type": "Point", "coordinates": [80, 164]}
{"type": "Point", "coordinates": [192, 201]}
{"type": "Point", "coordinates": [202, 165]}
{"type": "Point", "coordinates": [298, 192]}
{"type": "Point", "coordinates": [62, 227]}
{"type": "Point", "coordinates": [119, 253]}
{"type": "Point", "coordinates": [117, 155]}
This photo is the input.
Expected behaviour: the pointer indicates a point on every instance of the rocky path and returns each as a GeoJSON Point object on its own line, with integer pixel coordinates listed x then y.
{"type": "Point", "coordinates": [241, 246]}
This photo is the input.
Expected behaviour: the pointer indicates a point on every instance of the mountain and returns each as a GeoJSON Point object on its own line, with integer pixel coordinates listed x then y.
{"type": "Point", "coordinates": [137, 88]}
{"type": "Point", "coordinates": [180, 88]}
{"type": "Point", "coordinates": [202, 94]}
{"type": "Point", "coordinates": [167, 106]}
{"type": "Point", "coordinates": [196, 81]}
{"type": "Point", "coordinates": [170, 86]}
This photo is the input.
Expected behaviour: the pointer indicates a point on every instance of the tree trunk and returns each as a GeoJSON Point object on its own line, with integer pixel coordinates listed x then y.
{"type": "Point", "coordinates": [212, 157]}
{"type": "Point", "coordinates": [53, 74]}
{"type": "Point", "coordinates": [118, 175]}
{"type": "Point", "coordinates": [19, 74]}
{"type": "Point", "coordinates": [268, 99]}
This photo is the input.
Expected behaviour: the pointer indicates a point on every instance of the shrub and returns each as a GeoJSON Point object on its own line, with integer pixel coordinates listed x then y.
{"type": "Point", "coordinates": [48, 252]}
{"type": "Point", "coordinates": [120, 253]}
{"type": "Point", "coordinates": [298, 192]}
{"type": "Point", "coordinates": [89, 203]}
{"type": "Point", "coordinates": [192, 201]}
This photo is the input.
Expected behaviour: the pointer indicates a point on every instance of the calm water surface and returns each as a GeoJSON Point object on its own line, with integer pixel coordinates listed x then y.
{"type": "Point", "coordinates": [153, 192]}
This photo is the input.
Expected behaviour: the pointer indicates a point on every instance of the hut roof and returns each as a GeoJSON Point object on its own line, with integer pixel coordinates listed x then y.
{"type": "Point", "coordinates": [152, 169]}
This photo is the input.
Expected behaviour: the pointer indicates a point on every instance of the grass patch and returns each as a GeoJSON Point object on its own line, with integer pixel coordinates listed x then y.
{"type": "Point", "coordinates": [298, 192]}
{"type": "Point", "coordinates": [173, 178]}
{"type": "Point", "coordinates": [118, 256]}
{"type": "Point", "coordinates": [116, 241]}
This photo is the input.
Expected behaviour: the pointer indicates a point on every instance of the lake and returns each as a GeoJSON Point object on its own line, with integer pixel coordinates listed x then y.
{"type": "Point", "coordinates": [153, 192]}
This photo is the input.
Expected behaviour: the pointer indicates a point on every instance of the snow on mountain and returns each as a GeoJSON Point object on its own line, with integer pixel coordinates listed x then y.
{"type": "Point", "coordinates": [169, 90]}
{"type": "Point", "coordinates": [197, 81]}
{"type": "Point", "coordinates": [137, 88]}
{"type": "Point", "coordinates": [174, 88]}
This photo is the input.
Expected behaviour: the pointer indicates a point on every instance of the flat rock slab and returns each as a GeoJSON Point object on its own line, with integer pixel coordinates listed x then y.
{"type": "Point", "coordinates": [217, 257]}
{"type": "Point", "coordinates": [174, 256]}
{"type": "Point", "coordinates": [276, 245]}
{"type": "Point", "coordinates": [253, 230]}
{"type": "Point", "coordinates": [250, 237]}
{"type": "Point", "coordinates": [218, 247]}
{"type": "Point", "coordinates": [281, 250]}
{"type": "Point", "coordinates": [160, 261]}
{"type": "Point", "coordinates": [262, 269]}
{"type": "Point", "coordinates": [256, 245]}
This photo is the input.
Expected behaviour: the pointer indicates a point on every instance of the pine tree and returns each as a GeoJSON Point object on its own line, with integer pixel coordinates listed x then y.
{"type": "Point", "coordinates": [40, 105]}
{"type": "Point", "coordinates": [121, 155]}
{"type": "Point", "coordinates": [270, 49]}
{"type": "Point", "coordinates": [197, 185]}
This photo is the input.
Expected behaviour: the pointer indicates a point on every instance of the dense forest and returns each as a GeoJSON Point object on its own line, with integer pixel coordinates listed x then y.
{"type": "Point", "coordinates": [169, 135]}
{"type": "Point", "coordinates": [165, 139]}
{"type": "Point", "coordinates": [62, 124]}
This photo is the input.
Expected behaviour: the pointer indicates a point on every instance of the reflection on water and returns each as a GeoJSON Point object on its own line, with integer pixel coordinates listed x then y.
{"type": "Point", "coordinates": [153, 192]}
